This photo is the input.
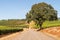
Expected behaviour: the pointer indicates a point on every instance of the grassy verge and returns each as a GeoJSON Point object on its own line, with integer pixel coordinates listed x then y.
{"type": "Point", "coordinates": [6, 30]}
{"type": "Point", "coordinates": [47, 24]}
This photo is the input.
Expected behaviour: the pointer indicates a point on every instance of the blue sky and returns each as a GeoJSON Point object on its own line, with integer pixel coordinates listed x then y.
{"type": "Point", "coordinates": [17, 9]}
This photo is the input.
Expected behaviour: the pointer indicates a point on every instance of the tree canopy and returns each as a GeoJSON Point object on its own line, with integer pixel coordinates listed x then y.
{"type": "Point", "coordinates": [41, 12]}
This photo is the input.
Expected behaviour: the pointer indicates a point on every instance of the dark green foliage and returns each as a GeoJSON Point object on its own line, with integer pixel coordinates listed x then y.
{"type": "Point", "coordinates": [9, 31]}
{"type": "Point", "coordinates": [41, 12]}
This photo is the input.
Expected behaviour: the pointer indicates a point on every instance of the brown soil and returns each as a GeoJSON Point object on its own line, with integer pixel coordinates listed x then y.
{"type": "Point", "coordinates": [4, 35]}
{"type": "Point", "coordinates": [53, 30]}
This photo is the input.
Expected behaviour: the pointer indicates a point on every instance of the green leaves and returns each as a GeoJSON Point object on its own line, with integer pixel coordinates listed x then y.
{"type": "Point", "coordinates": [41, 12]}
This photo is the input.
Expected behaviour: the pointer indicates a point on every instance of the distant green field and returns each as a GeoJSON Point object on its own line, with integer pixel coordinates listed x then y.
{"type": "Point", "coordinates": [47, 24]}
{"type": "Point", "coordinates": [6, 28]}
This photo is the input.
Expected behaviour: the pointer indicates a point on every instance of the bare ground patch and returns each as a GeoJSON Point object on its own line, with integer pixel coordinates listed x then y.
{"type": "Point", "coordinates": [55, 31]}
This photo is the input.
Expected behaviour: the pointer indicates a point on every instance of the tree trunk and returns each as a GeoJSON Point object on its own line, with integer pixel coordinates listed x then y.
{"type": "Point", "coordinates": [40, 27]}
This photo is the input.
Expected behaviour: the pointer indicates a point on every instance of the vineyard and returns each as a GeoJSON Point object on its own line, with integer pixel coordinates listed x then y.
{"type": "Point", "coordinates": [11, 26]}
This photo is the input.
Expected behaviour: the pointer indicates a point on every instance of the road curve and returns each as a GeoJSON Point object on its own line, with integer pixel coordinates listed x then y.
{"type": "Point", "coordinates": [29, 35]}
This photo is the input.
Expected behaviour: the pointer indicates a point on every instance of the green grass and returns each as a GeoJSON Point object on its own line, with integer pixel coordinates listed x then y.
{"type": "Point", "coordinates": [11, 26]}
{"type": "Point", "coordinates": [6, 29]}
{"type": "Point", "coordinates": [47, 24]}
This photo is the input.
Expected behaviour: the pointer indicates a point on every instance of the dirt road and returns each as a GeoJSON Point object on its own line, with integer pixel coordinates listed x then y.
{"type": "Point", "coordinates": [28, 35]}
